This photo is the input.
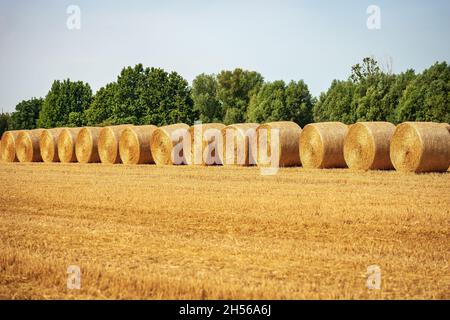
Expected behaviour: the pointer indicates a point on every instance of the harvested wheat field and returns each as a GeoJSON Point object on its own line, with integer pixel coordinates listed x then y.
{"type": "Point", "coordinates": [221, 232]}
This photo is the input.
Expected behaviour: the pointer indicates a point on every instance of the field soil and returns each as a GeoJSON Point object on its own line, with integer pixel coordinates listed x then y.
{"type": "Point", "coordinates": [147, 232]}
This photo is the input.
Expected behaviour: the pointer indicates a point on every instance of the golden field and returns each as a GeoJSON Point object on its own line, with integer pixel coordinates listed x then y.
{"type": "Point", "coordinates": [147, 232]}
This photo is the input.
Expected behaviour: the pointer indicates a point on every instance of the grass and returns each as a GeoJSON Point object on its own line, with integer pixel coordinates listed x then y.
{"type": "Point", "coordinates": [145, 232]}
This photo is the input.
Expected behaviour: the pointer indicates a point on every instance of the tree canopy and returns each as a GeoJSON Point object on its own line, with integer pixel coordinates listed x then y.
{"type": "Point", "coordinates": [26, 114]}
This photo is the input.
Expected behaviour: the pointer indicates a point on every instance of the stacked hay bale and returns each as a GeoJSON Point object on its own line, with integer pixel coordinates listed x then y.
{"type": "Point", "coordinates": [48, 144]}
{"type": "Point", "coordinates": [239, 144]}
{"type": "Point", "coordinates": [366, 146]}
{"type": "Point", "coordinates": [86, 146]}
{"type": "Point", "coordinates": [322, 144]}
{"type": "Point", "coordinates": [108, 143]}
{"type": "Point", "coordinates": [66, 144]}
{"type": "Point", "coordinates": [287, 144]}
{"type": "Point", "coordinates": [134, 144]}
{"type": "Point", "coordinates": [8, 146]}
{"type": "Point", "coordinates": [206, 144]}
{"type": "Point", "coordinates": [421, 147]}
{"type": "Point", "coordinates": [170, 145]}
{"type": "Point", "coordinates": [27, 146]}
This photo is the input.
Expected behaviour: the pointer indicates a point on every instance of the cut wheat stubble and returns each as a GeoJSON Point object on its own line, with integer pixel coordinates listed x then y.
{"type": "Point", "coordinates": [108, 143]}
{"type": "Point", "coordinates": [8, 146]}
{"type": "Point", "coordinates": [134, 145]}
{"type": "Point", "coordinates": [288, 143]}
{"type": "Point", "coordinates": [420, 147]}
{"type": "Point", "coordinates": [27, 146]}
{"type": "Point", "coordinates": [239, 144]}
{"type": "Point", "coordinates": [206, 144]}
{"type": "Point", "coordinates": [48, 144]}
{"type": "Point", "coordinates": [366, 146]}
{"type": "Point", "coordinates": [86, 145]}
{"type": "Point", "coordinates": [169, 144]}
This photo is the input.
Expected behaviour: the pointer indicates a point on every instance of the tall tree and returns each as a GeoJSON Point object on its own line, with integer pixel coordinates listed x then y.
{"type": "Point", "coordinates": [65, 98]}
{"type": "Point", "coordinates": [26, 114]}
{"type": "Point", "coordinates": [101, 109]}
{"type": "Point", "coordinates": [206, 102]}
{"type": "Point", "coordinates": [234, 91]}
{"type": "Point", "coordinates": [5, 122]}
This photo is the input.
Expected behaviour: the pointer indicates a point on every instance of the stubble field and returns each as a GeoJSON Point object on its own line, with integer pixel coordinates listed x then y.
{"type": "Point", "coordinates": [147, 232]}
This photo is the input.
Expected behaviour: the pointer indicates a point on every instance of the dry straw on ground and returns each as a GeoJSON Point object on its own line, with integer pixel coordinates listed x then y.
{"type": "Point", "coordinates": [66, 144]}
{"type": "Point", "coordinates": [86, 146]}
{"type": "Point", "coordinates": [134, 144]}
{"type": "Point", "coordinates": [164, 140]}
{"type": "Point", "coordinates": [108, 143]}
{"type": "Point", "coordinates": [206, 144]}
{"type": "Point", "coordinates": [288, 143]}
{"type": "Point", "coordinates": [27, 146]}
{"type": "Point", "coordinates": [321, 145]}
{"type": "Point", "coordinates": [239, 144]}
{"type": "Point", "coordinates": [8, 146]}
{"type": "Point", "coordinates": [366, 146]}
{"type": "Point", "coordinates": [420, 147]}
{"type": "Point", "coordinates": [48, 144]}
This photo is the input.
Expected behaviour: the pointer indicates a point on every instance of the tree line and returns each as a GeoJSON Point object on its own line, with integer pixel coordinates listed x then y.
{"type": "Point", "coordinates": [153, 96]}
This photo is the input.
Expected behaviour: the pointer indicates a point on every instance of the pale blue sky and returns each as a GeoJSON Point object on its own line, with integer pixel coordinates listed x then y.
{"type": "Point", "coordinates": [317, 41]}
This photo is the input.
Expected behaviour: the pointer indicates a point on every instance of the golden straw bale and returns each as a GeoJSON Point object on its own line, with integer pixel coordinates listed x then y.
{"type": "Point", "coordinates": [108, 143]}
{"type": "Point", "coordinates": [66, 144]}
{"type": "Point", "coordinates": [239, 144]}
{"type": "Point", "coordinates": [366, 146]}
{"type": "Point", "coordinates": [206, 144]}
{"type": "Point", "coordinates": [86, 145]}
{"type": "Point", "coordinates": [322, 144]}
{"type": "Point", "coordinates": [48, 144]}
{"type": "Point", "coordinates": [27, 146]}
{"type": "Point", "coordinates": [134, 144]}
{"type": "Point", "coordinates": [170, 144]}
{"type": "Point", "coordinates": [8, 146]}
{"type": "Point", "coordinates": [288, 143]}
{"type": "Point", "coordinates": [420, 147]}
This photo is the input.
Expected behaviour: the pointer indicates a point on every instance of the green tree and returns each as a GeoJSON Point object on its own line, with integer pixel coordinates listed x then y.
{"type": "Point", "coordinates": [5, 122]}
{"type": "Point", "coordinates": [63, 99]}
{"type": "Point", "coordinates": [299, 104]}
{"type": "Point", "coordinates": [101, 109]}
{"type": "Point", "coordinates": [427, 97]}
{"type": "Point", "coordinates": [234, 91]}
{"type": "Point", "coordinates": [204, 96]}
{"type": "Point", "coordinates": [26, 114]}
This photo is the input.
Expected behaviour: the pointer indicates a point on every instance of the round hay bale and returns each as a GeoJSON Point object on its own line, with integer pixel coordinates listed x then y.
{"type": "Point", "coordinates": [134, 144]}
{"type": "Point", "coordinates": [322, 144]}
{"type": "Point", "coordinates": [447, 126]}
{"type": "Point", "coordinates": [8, 146]}
{"type": "Point", "coordinates": [206, 144]}
{"type": "Point", "coordinates": [108, 143]}
{"type": "Point", "coordinates": [48, 144]}
{"type": "Point", "coordinates": [420, 147]}
{"type": "Point", "coordinates": [366, 146]}
{"type": "Point", "coordinates": [86, 145]}
{"type": "Point", "coordinates": [27, 146]}
{"type": "Point", "coordinates": [163, 143]}
{"type": "Point", "coordinates": [239, 144]}
{"type": "Point", "coordinates": [288, 143]}
{"type": "Point", "coordinates": [66, 144]}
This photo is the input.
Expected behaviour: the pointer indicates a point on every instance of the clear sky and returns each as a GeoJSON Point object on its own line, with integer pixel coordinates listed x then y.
{"type": "Point", "coordinates": [316, 41]}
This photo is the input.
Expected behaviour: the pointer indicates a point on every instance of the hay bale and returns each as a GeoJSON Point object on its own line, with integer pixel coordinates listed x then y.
{"type": "Point", "coordinates": [108, 143]}
{"type": "Point", "coordinates": [366, 146]}
{"type": "Point", "coordinates": [447, 126]}
{"type": "Point", "coordinates": [134, 144]}
{"type": "Point", "coordinates": [27, 146]}
{"type": "Point", "coordinates": [170, 144]}
{"type": "Point", "coordinates": [420, 147]}
{"type": "Point", "coordinates": [206, 144]}
{"type": "Point", "coordinates": [86, 145]}
{"type": "Point", "coordinates": [66, 144]}
{"type": "Point", "coordinates": [239, 144]}
{"type": "Point", "coordinates": [8, 146]}
{"type": "Point", "coordinates": [322, 144]}
{"type": "Point", "coordinates": [48, 144]}
{"type": "Point", "coordinates": [288, 143]}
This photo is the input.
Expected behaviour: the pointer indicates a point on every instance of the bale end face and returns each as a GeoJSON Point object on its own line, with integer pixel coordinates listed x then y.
{"type": "Point", "coordinates": [170, 144]}
{"type": "Point", "coordinates": [48, 145]}
{"type": "Point", "coordinates": [86, 148]}
{"type": "Point", "coordinates": [8, 146]}
{"type": "Point", "coordinates": [66, 145]}
{"type": "Point", "coordinates": [27, 146]}
{"type": "Point", "coordinates": [108, 145]}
